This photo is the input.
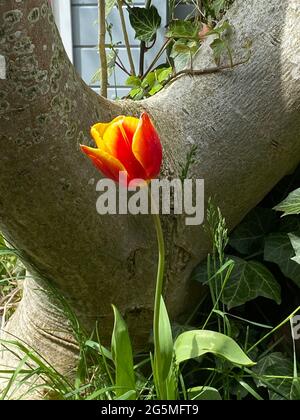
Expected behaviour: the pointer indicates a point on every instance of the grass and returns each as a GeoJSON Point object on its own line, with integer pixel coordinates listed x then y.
{"type": "Point", "coordinates": [275, 375]}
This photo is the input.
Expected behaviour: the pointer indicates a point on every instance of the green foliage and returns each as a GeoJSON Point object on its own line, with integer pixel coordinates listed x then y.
{"type": "Point", "coordinates": [279, 250]}
{"type": "Point", "coordinates": [122, 357]}
{"type": "Point", "coordinates": [193, 344]}
{"type": "Point", "coordinates": [151, 84]}
{"type": "Point", "coordinates": [145, 22]}
{"type": "Point", "coordinates": [291, 205]}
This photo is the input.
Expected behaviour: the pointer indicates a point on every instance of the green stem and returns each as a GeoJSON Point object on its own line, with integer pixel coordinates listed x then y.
{"type": "Point", "coordinates": [158, 295]}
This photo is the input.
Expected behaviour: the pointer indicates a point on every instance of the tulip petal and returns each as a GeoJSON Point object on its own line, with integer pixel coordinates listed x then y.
{"type": "Point", "coordinates": [98, 130]}
{"type": "Point", "coordinates": [146, 147]}
{"type": "Point", "coordinates": [104, 162]}
{"type": "Point", "coordinates": [117, 141]}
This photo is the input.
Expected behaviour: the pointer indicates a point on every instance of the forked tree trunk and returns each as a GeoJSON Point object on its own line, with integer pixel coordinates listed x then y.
{"type": "Point", "coordinates": [245, 121]}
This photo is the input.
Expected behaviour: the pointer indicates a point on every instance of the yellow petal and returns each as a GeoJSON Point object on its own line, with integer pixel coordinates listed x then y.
{"type": "Point", "coordinates": [98, 130]}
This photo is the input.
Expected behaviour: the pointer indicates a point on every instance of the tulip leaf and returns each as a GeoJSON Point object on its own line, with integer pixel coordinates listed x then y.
{"type": "Point", "coordinates": [165, 340]}
{"type": "Point", "coordinates": [122, 357]}
{"type": "Point", "coordinates": [145, 22]}
{"type": "Point", "coordinates": [193, 344]}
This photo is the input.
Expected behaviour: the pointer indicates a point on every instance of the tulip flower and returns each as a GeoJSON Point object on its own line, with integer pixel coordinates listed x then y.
{"type": "Point", "coordinates": [127, 144]}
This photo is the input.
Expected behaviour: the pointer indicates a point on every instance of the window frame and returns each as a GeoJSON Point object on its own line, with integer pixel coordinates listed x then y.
{"type": "Point", "coordinates": [63, 18]}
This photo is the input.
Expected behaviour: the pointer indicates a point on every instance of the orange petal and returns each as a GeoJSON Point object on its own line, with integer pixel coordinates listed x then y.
{"type": "Point", "coordinates": [105, 163]}
{"type": "Point", "coordinates": [147, 147]}
{"type": "Point", "coordinates": [117, 141]}
{"type": "Point", "coordinates": [98, 130]}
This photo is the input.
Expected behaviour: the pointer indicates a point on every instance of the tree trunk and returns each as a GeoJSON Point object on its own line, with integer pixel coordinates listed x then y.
{"type": "Point", "coordinates": [245, 121]}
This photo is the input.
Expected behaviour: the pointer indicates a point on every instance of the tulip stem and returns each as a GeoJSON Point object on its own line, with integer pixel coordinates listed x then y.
{"type": "Point", "coordinates": [158, 296]}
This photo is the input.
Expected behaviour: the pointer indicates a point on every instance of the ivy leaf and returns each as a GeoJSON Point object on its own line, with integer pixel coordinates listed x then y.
{"type": "Point", "coordinates": [295, 241]}
{"type": "Point", "coordinates": [249, 237]}
{"type": "Point", "coordinates": [184, 29]}
{"type": "Point", "coordinates": [249, 280]}
{"type": "Point", "coordinates": [279, 250]}
{"type": "Point", "coordinates": [219, 47]}
{"type": "Point", "coordinates": [145, 22]}
{"type": "Point", "coordinates": [133, 81]}
{"type": "Point", "coordinates": [183, 52]}
{"type": "Point", "coordinates": [275, 364]}
{"type": "Point", "coordinates": [291, 205]}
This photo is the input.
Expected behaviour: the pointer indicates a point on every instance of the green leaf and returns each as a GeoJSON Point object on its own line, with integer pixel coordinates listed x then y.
{"type": "Point", "coordinates": [279, 250]}
{"type": "Point", "coordinates": [156, 88]}
{"type": "Point", "coordinates": [219, 47]}
{"type": "Point", "coordinates": [295, 241]}
{"type": "Point", "coordinates": [145, 22]}
{"type": "Point", "coordinates": [122, 357]}
{"type": "Point", "coordinates": [193, 344]}
{"type": "Point", "coordinates": [184, 29]}
{"type": "Point", "coordinates": [204, 393]}
{"type": "Point", "coordinates": [249, 237]}
{"type": "Point", "coordinates": [218, 6]}
{"type": "Point", "coordinates": [164, 74]}
{"type": "Point", "coordinates": [249, 280]}
{"type": "Point", "coordinates": [133, 81]}
{"type": "Point", "coordinates": [165, 341]}
{"type": "Point", "coordinates": [183, 52]}
{"type": "Point", "coordinates": [277, 365]}
{"type": "Point", "coordinates": [100, 349]}
{"type": "Point", "coordinates": [7, 251]}
{"type": "Point", "coordinates": [291, 205]}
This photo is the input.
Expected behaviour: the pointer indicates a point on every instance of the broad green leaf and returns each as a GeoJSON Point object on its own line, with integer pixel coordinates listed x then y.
{"type": "Point", "coordinates": [219, 47]}
{"type": "Point", "coordinates": [249, 280]}
{"type": "Point", "coordinates": [156, 88]}
{"type": "Point", "coordinates": [122, 356]}
{"type": "Point", "coordinates": [165, 341]}
{"type": "Point", "coordinates": [133, 81]}
{"type": "Point", "coordinates": [295, 241]}
{"type": "Point", "coordinates": [279, 250]}
{"type": "Point", "coordinates": [279, 366]}
{"type": "Point", "coordinates": [164, 74]}
{"type": "Point", "coordinates": [183, 52]}
{"type": "Point", "coordinates": [249, 237]}
{"type": "Point", "coordinates": [204, 393]}
{"type": "Point", "coordinates": [193, 344]}
{"type": "Point", "coordinates": [291, 205]}
{"type": "Point", "coordinates": [184, 29]}
{"type": "Point", "coordinates": [145, 22]}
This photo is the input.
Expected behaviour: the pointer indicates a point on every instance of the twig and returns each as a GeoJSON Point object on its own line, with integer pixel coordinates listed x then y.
{"type": "Point", "coordinates": [191, 72]}
{"type": "Point", "coordinates": [102, 51]}
{"type": "Point", "coordinates": [159, 54]}
{"type": "Point", "coordinates": [126, 38]}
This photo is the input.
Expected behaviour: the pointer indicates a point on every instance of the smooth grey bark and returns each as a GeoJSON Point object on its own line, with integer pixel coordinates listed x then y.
{"type": "Point", "coordinates": [246, 123]}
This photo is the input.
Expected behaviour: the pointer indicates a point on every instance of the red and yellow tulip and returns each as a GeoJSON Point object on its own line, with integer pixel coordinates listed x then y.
{"type": "Point", "coordinates": [127, 144]}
